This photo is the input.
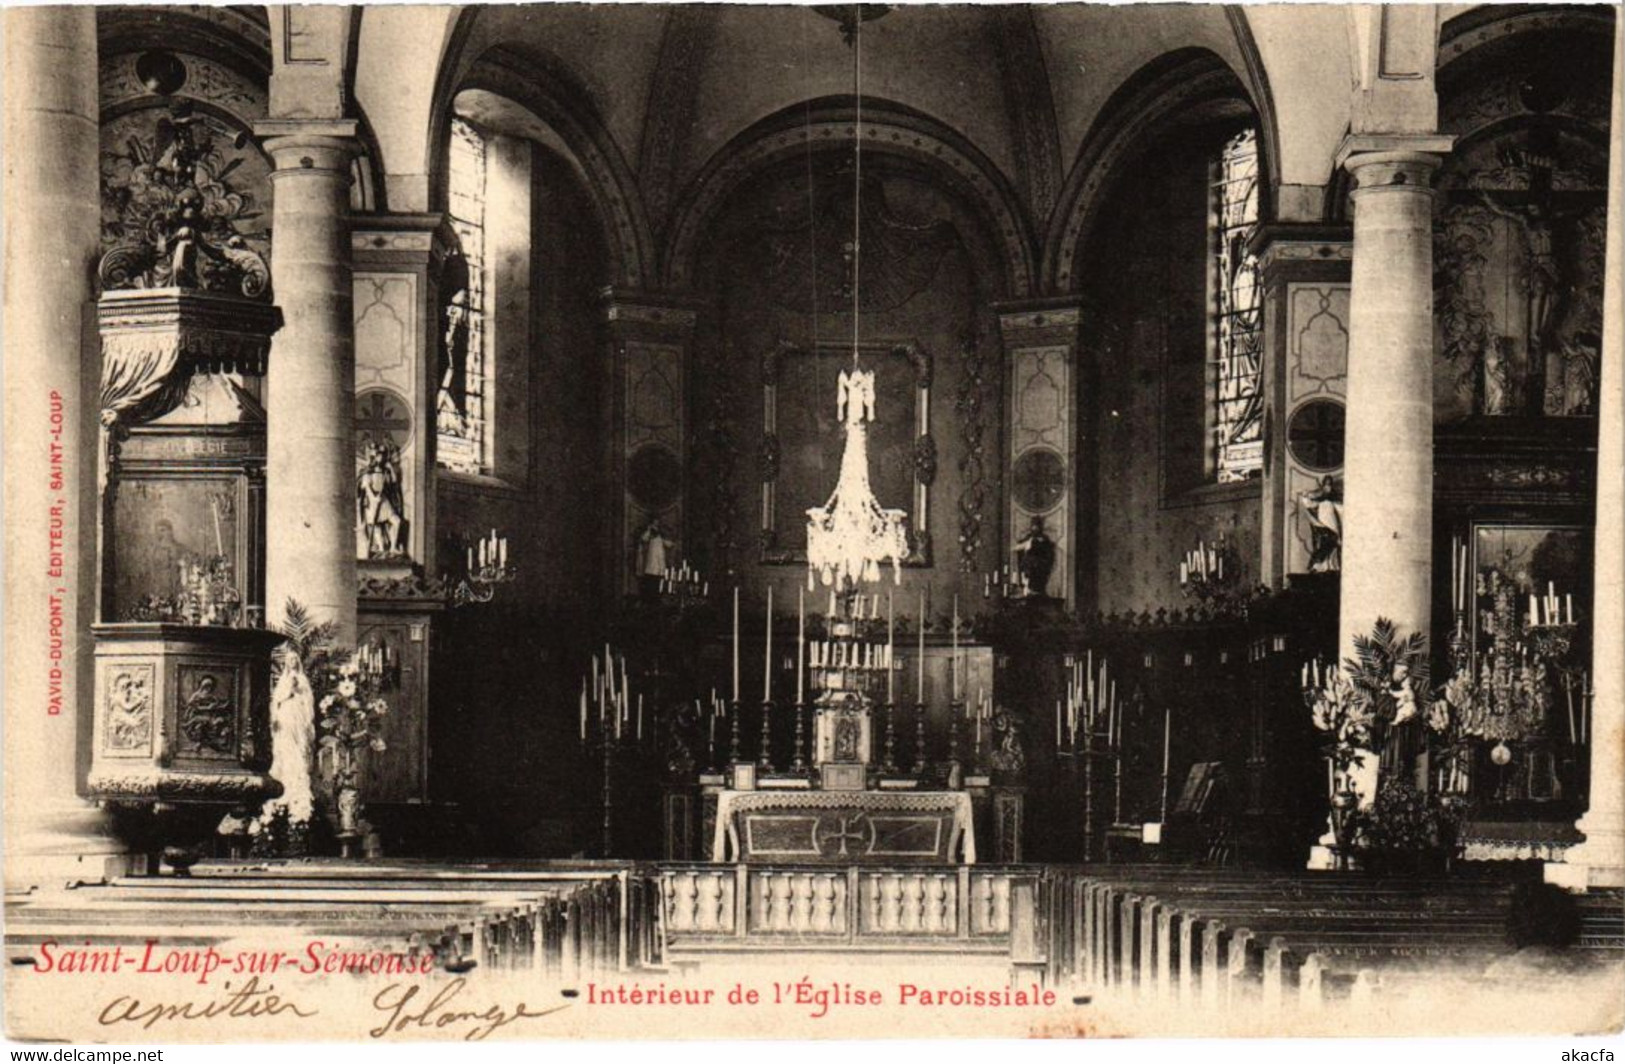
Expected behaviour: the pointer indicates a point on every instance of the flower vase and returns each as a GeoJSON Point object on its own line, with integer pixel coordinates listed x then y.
{"type": "Point", "coordinates": [349, 806]}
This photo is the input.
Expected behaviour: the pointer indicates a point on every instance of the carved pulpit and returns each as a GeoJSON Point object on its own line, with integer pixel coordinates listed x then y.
{"type": "Point", "coordinates": [182, 658]}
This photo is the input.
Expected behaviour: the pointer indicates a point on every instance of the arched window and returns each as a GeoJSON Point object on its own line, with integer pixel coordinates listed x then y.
{"type": "Point", "coordinates": [463, 405]}
{"type": "Point", "coordinates": [1235, 409]}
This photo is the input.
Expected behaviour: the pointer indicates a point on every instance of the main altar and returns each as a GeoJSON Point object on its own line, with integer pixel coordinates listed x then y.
{"type": "Point", "coordinates": [851, 803]}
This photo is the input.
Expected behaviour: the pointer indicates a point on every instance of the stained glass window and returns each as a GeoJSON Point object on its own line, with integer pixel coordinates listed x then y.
{"type": "Point", "coordinates": [462, 405]}
{"type": "Point", "coordinates": [1236, 407]}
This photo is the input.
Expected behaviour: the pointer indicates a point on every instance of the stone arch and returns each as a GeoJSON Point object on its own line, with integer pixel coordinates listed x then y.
{"type": "Point", "coordinates": [608, 179]}
{"type": "Point", "coordinates": [1171, 86]}
{"type": "Point", "coordinates": [887, 128]}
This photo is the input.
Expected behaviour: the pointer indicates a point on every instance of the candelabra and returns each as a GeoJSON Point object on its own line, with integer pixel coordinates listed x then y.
{"type": "Point", "coordinates": [379, 661]}
{"type": "Point", "coordinates": [683, 587]}
{"type": "Point", "coordinates": [487, 567]}
{"type": "Point", "coordinates": [1005, 583]}
{"type": "Point", "coordinates": [1211, 571]}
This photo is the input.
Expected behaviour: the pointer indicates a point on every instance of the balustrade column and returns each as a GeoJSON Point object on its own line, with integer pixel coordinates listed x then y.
{"type": "Point", "coordinates": [1388, 459]}
{"type": "Point", "coordinates": [310, 386]}
{"type": "Point", "coordinates": [1600, 860]}
{"type": "Point", "coordinates": [52, 242]}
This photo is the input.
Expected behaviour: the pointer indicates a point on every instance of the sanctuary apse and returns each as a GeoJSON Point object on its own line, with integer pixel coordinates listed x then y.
{"type": "Point", "coordinates": [1230, 458]}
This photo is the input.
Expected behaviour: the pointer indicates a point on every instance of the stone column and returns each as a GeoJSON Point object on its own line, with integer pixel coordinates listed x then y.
{"type": "Point", "coordinates": [1388, 459]}
{"type": "Point", "coordinates": [310, 386]}
{"type": "Point", "coordinates": [1600, 860]}
{"type": "Point", "coordinates": [1041, 351]}
{"type": "Point", "coordinates": [52, 243]}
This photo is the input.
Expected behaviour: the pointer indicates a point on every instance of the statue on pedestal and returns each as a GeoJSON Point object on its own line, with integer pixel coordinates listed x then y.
{"type": "Point", "coordinates": [1324, 508]}
{"type": "Point", "coordinates": [1035, 559]}
{"type": "Point", "coordinates": [379, 502]}
{"type": "Point", "coordinates": [653, 548]}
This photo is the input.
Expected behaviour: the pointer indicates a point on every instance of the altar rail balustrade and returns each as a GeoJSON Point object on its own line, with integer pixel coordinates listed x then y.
{"type": "Point", "coordinates": [953, 908]}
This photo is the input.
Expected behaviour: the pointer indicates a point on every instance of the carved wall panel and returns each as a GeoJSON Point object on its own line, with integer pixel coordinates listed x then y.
{"type": "Point", "coordinates": [1041, 355]}
{"type": "Point", "coordinates": [128, 711]}
{"type": "Point", "coordinates": [397, 258]}
{"type": "Point", "coordinates": [1316, 388]}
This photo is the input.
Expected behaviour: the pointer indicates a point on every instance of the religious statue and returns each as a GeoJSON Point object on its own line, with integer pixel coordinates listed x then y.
{"type": "Point", "coordinates": [1035, 558]}
{"type": "Point", "coordinates": [1324, 509]}
{"type": "Point", "coordinates": [1535, 215]}
{"type": "Point", "coordinates": [452, 363]}
{"type": "Point", "coordinates": [847, 737]}
{"type": "Point", "coordinates": [178, 213]}
{"type": "Point", "coordinates": [652, 564]}
{"type": "Point", "coordinates": [380, 506]}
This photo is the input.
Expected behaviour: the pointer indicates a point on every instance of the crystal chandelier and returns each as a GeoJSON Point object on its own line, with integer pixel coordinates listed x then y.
{"type": "Point", "coordinates": [851, 535]}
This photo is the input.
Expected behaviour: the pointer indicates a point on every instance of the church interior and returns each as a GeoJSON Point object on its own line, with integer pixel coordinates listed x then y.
{"type": "Point", "coordinates": [1126, 496]}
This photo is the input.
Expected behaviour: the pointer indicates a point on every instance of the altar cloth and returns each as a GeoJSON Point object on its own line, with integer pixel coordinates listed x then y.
{"type": "Point", "coordinates": [844, 827]}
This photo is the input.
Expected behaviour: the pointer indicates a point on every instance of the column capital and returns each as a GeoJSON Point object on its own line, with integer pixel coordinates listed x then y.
{"type": "Point", "coordinates": [1049, 315]}
{"type": "Point", "coordinates": [1313, 250]}
{"type": "Point", "coordinates": [666, 311]}
{"type": "Point", "coordinates": [306, 144]}
{"type": "Point", "coordinates": [406, 238]}
{"type": "Point", "coordinates": [1413, 155]}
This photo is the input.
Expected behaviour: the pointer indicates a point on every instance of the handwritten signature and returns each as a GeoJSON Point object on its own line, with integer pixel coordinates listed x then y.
{"type": "Point", "coordinates": [407, 1013]}
{"type": "Point", "coordinates": [250, 1000]}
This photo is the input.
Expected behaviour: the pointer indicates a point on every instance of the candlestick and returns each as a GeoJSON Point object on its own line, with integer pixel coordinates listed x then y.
{"type": "Point", "coordinates": [736, 642]}
{"type": "Point", "coordinates": [891, 634]}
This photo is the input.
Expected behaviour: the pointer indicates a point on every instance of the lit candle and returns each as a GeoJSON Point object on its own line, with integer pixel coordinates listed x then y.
{"type": "Point", "coordinates": [640, 715]}
{"type": "Point", "coordinates": [736, 642]}
{"type": "Point", "coordinates": [1534, 612]}
{"type": "Point", "coordinates": [801, 640]}
{"type": "Point", "coordinates": [891, 683]}
{"type": "Point", "coordinates": [583, 710]}
{"type": "Point", "coordinates": [1167, 734]}
{"type": "Point", "coordinates": [1568, 604]}
{"type": "Point", "coordinates": [767, 654]}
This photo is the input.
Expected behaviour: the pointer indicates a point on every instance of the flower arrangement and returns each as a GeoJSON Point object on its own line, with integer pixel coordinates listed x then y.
{"type": "Point", "coordinates": [349, 715]}
{"type": "Point", "coordinates": [1404, 828]}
